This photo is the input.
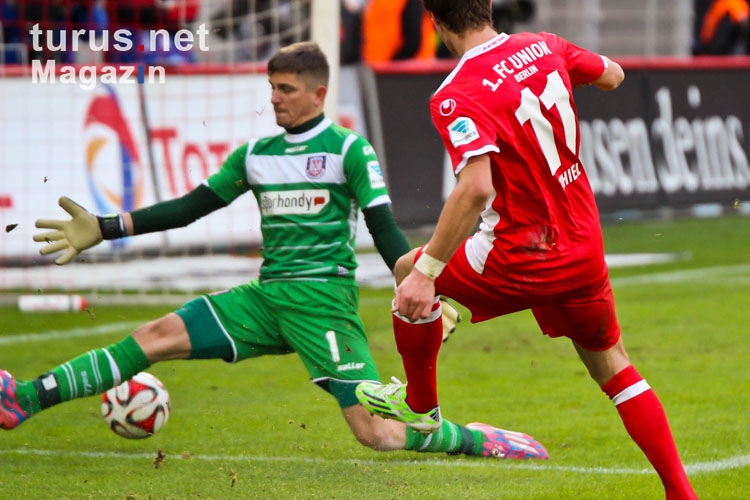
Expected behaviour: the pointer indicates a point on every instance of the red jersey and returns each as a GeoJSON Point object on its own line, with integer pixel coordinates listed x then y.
{"type": "Point", "coordinates": [511, 98]}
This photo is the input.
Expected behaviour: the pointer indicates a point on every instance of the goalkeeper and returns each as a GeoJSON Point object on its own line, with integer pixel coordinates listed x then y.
{"type": "Point", "coordinates": [309, 182]}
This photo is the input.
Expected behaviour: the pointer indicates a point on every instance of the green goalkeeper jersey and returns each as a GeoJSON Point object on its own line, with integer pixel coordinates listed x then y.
{"type": "Point", "coordinates": [309, 188]}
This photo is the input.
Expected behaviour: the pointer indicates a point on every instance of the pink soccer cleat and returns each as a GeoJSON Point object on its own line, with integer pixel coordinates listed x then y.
{"type": "Point", "coordinates": [500, 443]}
{"type": "Point", "coordinates": [11, 414]}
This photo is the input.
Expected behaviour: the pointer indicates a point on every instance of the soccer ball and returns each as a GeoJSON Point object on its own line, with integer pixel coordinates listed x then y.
{"type": "Point", "coordinates": [137, 408]}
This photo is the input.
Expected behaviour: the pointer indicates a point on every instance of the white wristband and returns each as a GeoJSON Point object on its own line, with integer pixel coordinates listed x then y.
{"type": "Point", "coordinates": [429, 266]}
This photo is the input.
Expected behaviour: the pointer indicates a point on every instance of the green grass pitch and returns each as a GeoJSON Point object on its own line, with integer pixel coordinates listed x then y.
{"type": "Point", "coordinates": [260, 430]}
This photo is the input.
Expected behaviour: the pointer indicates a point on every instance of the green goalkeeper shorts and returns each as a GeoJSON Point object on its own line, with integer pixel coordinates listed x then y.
{"type": "Point", "coordinates": [317, 319]}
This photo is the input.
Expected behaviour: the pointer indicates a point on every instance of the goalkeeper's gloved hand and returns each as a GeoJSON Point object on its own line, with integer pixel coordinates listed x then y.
{"type": "Point", "coordinates": [71, 236]}
{"type": "Point", "coordinates": [451, 317]}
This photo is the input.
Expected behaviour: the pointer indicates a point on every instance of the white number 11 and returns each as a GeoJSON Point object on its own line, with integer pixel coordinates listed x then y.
{"type": "Point", "coordinates": [554, 94]}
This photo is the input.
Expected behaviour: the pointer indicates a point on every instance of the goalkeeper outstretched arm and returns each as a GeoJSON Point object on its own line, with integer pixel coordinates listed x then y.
{"type": "Point", "coordinates": [85, 230]}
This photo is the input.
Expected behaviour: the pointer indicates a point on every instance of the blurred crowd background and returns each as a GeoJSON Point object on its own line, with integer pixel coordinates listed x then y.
{"type": "Point", "coordinates": [370, 30]}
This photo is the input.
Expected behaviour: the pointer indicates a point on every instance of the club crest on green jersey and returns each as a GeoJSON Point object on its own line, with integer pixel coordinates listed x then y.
{"type": "Point", "coordinates": [316, 167]}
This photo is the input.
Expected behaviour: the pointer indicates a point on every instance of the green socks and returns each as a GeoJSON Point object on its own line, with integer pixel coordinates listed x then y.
{"type": "Point", "coordinates": [450, 438]}
{"type": "Point", "coordinates": [91, 373]}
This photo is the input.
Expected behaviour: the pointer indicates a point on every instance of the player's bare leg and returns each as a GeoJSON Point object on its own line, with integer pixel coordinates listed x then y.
{"type": "Point", "coordinates": [164, 339]}
{"type": "Point", "coordinates": [404, 265]}
{"type": "Point", "coordinates": [373, 431]}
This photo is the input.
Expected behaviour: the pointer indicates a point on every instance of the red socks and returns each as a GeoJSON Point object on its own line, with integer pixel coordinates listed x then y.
{"type": "Point", "coordinates": [645, 420]}
{"type": "Point", "coordinates": [419, 344]}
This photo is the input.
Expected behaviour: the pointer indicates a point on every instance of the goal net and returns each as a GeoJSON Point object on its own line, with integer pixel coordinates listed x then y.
{"type": "Point", "coordinates": [254, 29]}
{"type": "Point", "coordinates": [146, 133]}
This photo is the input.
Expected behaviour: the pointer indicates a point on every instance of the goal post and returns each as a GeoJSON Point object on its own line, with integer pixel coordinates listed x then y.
{"type": "Point", "coordinates": [325, 21]}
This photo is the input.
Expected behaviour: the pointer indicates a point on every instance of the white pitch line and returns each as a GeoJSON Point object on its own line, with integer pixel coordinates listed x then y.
{"type": "Point", "coordinates": [697, 468]}
{"type": "Point", "coordinates": [25, 338]}
{"type": "Point", "coordinates": [737, 462]}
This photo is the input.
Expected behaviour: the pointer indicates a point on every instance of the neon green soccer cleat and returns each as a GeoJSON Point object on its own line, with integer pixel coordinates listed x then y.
{"type": "Point", "coordinates": [389, 401]}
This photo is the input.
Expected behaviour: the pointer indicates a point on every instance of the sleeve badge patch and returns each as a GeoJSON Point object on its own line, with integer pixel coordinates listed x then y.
{"type": "Point", "coordinates": [462, 131]}
{"type": "Point", "coordinates": [376, 175]}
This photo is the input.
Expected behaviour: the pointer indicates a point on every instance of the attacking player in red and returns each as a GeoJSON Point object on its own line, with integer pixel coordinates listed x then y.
{"type": "Point", "coordinates": [507, 118]}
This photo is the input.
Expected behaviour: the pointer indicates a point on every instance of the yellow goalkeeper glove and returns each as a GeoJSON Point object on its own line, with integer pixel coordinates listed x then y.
{"type": "Point", "coordinates": [71, 236]}
{"type": "Point", "coordinates": [451, 317]}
